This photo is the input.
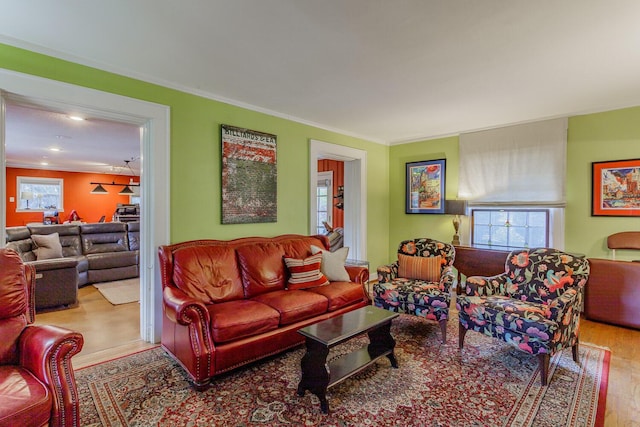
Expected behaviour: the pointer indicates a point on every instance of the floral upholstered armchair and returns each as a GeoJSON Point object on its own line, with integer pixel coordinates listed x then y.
{"type": "Point", "coordinates": [419, 282]}
{"type": "Point", "coordinates": [533, 306]}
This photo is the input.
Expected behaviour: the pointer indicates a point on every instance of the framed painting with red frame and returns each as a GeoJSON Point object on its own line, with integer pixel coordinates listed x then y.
{"type": "Point", "coordinates": [615, 188]}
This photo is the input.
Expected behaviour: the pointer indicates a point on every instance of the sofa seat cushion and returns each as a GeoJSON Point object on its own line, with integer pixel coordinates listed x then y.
{"type": "Point", "coordinates": [232, 320]}
{"type": "Point", "coordinates": [112, 260]}
{"type": "Point", "coordinates": [294, 305]}
{"type": "Point", "coordinates": [340, 294]}
{"type": "Point", "coordinates": [25, 400]}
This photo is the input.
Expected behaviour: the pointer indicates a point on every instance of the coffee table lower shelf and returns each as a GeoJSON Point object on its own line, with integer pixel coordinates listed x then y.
{"type": "Point", "coordinates": [318, 375]}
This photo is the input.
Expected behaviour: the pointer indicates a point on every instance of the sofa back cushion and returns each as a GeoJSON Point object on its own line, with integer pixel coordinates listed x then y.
{"type": "Point", "coordinates": [104, 237]}
{"type": "Point", "coordinates": [19, 239]}
{"type": "Point", "coordinates": [13, 304]}
{"type": "Point", "coordinates": [542, 274]}
{"type": "Point", "coordinates": [261, 260]}
{"type": "Point", "coordinates": [69, 236]}
{"type": "Point", "coordinates": [133, 235]}
{"type": "Point", "coordinates": [208, 273]}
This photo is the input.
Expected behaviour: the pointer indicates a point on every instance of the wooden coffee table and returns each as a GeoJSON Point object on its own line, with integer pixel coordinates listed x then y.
{"type": "Point", "coordinates": [317, 375]}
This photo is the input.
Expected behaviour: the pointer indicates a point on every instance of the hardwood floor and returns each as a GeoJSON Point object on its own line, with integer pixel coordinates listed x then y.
{"type": "Point", "coordinates": [109, 330]}
{"type": "Point", "coordinates": [112, 331]}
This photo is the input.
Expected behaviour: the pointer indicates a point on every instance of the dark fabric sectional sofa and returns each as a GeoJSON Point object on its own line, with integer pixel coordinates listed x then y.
{"type": "Point", "coordinates": [91, 253]}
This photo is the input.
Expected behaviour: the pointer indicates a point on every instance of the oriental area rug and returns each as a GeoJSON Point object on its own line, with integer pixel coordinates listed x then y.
{"type": "Point", "coordinates": [486, 384]}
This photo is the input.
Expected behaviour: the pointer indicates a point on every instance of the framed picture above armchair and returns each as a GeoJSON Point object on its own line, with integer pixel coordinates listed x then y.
{"type": "Point", "coordinates": [425, 183]}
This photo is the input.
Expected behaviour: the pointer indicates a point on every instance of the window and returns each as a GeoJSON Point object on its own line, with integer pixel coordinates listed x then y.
{"type": "Point", "coordinates": [39, 194]}
{"type": "Point", "coordinates": [510, 228]}
{"type": "Point", "coordinates": [324, 197]}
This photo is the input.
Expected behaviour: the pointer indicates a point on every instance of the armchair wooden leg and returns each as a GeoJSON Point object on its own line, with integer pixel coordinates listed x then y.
{"type": "Point", "coordinates": [443, 330]}
{"type": "Point", "coordinates": [544, 358]}
{"type": "Point", "coordinates": [574, 350]}
{"type": "Point", "coordinates": [461, 333]}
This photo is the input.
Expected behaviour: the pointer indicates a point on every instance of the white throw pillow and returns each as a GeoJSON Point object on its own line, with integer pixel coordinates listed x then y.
{"type": "Point", "coordinates": [333, 263]}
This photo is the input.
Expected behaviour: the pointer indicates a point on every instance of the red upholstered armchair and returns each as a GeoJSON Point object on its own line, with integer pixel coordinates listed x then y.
{"type": "Point", "coordinates": [37, 384]}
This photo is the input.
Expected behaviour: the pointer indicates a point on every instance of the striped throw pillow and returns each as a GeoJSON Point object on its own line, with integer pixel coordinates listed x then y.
{"type": "Point", "coordinates": [420, 268]}
{"type": "Point", "coordinates": [305, 273]}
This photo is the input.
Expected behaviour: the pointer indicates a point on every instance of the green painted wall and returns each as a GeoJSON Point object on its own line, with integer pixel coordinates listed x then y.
{"type": "Point", "coordinates": [195, 155]}
{"type": "Point", "coordinates": [195, 165]}
{"type": "Point", "coordinates": [611, 135]}
{"type": "Point", "coordinates": [406, 226]}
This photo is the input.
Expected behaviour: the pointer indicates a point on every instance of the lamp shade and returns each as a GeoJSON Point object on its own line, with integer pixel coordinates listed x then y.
{"type": "Point", "coordinates": [99, 190]}
{"type": "Point", "coordinates": [455, 207]}
{"type": "Point", "coordinates": [26, 195]}
{"type": "Point", "coordinates": [126, 191]}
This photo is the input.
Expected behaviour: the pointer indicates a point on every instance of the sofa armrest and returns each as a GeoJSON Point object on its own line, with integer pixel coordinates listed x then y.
{"type": "Point", "coordinates": [46, 352]}
{"type": "Point", "coordinates": [183, 309]}
{"type": "Point", "coordinates": [485, 286]}
{"type": "Point", "coordinates": [357, 274]}
{"type": "Point", "coordinates": [54, 264]}
{"type": "Point", "coordinates": [386, 273]}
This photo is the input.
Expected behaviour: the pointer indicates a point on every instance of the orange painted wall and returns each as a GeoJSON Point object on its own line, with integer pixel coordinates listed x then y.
{"type": "Point", "coordinates": [77, 195]}
{"type": "Point", "coordinates": [337, 167]}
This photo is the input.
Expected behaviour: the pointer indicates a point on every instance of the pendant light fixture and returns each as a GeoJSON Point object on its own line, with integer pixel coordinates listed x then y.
{"type": "Point", "coordinates": [126, 188]}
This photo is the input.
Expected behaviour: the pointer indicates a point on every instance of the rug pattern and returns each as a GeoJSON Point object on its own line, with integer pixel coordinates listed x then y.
{"type": "Point", "coordinates": [487, 384]}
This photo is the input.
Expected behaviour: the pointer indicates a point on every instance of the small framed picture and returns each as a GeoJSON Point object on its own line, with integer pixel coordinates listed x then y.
{"type": "Point", "coordinates": [615, 188]}
{"type": "Point", "coordinates": [425, 187]}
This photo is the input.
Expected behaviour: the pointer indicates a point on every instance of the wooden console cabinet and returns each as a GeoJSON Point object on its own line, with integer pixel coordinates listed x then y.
{"type": "Point", "coordinates": [472, 261]}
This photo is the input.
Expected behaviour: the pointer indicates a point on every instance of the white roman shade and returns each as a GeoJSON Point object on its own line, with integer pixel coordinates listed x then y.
{"type": "Point", "coordinates": [515, 165]}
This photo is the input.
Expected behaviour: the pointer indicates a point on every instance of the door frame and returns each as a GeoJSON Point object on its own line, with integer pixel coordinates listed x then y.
{"type": "Point", "coordinates": [355, 192]}
{"type": "Point", "coordinates": [154, 120]}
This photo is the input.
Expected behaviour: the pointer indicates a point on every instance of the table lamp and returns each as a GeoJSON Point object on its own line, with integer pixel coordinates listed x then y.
{"type": "Point", "coordinates": [455, 208]}
{"type": "Point", "coordinates": [26, 195]}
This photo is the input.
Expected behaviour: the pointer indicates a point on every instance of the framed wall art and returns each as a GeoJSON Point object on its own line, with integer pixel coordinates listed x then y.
{"type": "Point", "coordinates": [615, 188]}
{"type": "Point", "coordinates": [425, 182]}
{"type": "Point", "coordinates": [249, 176]}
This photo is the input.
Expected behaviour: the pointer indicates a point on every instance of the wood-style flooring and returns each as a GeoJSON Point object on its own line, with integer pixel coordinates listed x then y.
{"type": "Point", "coordinates": [112, 331]}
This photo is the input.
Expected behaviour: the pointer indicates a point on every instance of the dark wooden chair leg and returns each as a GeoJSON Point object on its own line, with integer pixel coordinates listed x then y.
{"type": "Point", "coordinates": [544, 358]}
{"type": "Point", "coordinates": [461, 333]}
{"type": "Point", "coordinates": [443, 330]}
{"type": "Point", "coordinates": [574, 350]}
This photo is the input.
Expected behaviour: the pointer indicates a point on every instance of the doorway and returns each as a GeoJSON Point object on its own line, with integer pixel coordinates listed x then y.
{"type": "Point", "coordinates": [355, 191]}
{"type": "Point", "coordinates": [154, 122]}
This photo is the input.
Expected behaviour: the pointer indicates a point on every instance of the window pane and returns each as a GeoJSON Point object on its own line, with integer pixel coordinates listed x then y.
{"type": "Point", "coordinates": [499, 236]}
{"type": "Point", "coordinates": [518, 218]}
{"type": "Point", "coordinates": [322, 204]}
{"type": "Point", "coordinates": [482, 217]}
{"type": "Point", "coordinates": [499, 217]}
{"type": "Point", "coordinates": [537, 237]}
{"type": "Point", "coordinates": [538, 219]}
{"type": "Point", "coordinates": [517, 236]}
{"type": "Point", "coordinates": [524, 228]}
{"type": "Point", "coordinates": [39, 193]}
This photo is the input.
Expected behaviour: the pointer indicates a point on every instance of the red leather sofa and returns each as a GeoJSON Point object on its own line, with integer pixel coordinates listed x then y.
{"type": "Point", "coordinates": [226, 303]}
{"type": "Point", "coordinates": [37, 384]}
{"type": "Point", "coordinates": [612, 294]}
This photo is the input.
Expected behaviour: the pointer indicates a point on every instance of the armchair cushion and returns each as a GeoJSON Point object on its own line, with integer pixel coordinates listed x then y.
{"type": "Point", "coordinates": [421, 268]}
{"type": "Point", "coordinates": [26, 401]}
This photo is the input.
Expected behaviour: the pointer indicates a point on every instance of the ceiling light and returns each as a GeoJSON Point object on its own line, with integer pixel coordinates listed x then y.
{"type": "Point", "coordinates": [77, 118]}
{"type": "Point", "coordinates": [44, 163]}
{"type": "Point", "coordinates": [54, 149]}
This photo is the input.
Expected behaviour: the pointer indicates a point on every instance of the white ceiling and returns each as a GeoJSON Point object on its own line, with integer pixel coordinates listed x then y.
{"type": "Point", "coordinates": [387, 71]}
